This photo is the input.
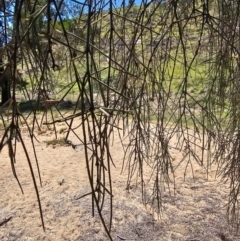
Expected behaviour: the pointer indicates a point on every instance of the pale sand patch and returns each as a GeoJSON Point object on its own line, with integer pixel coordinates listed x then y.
{"type": "Point", "coordinates": [195, 213]}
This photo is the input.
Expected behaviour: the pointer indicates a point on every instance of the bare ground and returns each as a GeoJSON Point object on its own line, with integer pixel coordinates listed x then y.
{"type": "Point", "coordinates": [196, 212]}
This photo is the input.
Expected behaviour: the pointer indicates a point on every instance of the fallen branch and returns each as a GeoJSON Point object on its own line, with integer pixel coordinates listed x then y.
{"type": "Point", "coordinates": [5, 221]}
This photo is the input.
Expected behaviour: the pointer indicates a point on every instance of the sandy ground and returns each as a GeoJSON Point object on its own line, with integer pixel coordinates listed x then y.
{"type": "Point", "coordinates": [197, 212]}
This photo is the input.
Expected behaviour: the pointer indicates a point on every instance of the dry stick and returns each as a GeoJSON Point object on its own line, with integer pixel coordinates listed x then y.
{"type": "Point", "coordinates": [55, 130]}
{"type": "Point", "coordinates": [121, 67]}
{"type": "Point", "coordinates": [33, 177]}
{"type": "Point", "coordinates": [68, 45]}
{"type": "Point", "coordinates": [34, 149]}
{"type": "Point", "coordinates": [87, 80]}
{"type": "Point", "coordinates": [5, 221]}
{"type": "Point", "coordinates": [71, 122]}
{"type": "Point", "coordinates": [72, 129]}
{"type": "Point", "coordinates": [2, 143]}
{"type": "Point", "coordinates": [104, 132]}
{"type": "Point", "coordinates": [102, 169]}
{"type": "Point", "coordinates": [12, 159]}
{"type": "Point", "coordinates": [91, 181]}
{"type": "Point", "coordinates": [11, 153]}
{"type": "Point", "coordinates": [121, 238]}
{"type": "Point", "coordinates": [164, 69]}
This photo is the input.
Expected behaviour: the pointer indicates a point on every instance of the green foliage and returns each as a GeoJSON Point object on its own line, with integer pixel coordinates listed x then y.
{"type": "Point", "coordinates": [66, 23]}
{"type": "Point", "coordinates": [61, 142]}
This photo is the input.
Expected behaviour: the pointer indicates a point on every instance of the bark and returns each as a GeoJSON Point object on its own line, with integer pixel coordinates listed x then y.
{"type": "Point", "coordinates": [5, 85]}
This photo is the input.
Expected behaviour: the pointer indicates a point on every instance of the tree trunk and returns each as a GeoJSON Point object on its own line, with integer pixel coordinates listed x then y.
{"type": "Point", "coordinates": [4, 84]}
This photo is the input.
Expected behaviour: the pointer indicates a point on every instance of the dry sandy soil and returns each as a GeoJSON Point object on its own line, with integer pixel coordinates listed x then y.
{"type": "Point", "coordinates": [197, 212]}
